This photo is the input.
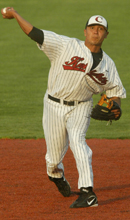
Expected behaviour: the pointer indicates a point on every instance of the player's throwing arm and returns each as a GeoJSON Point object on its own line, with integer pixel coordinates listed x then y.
{"type": "Point", "coordinates": [10, 13]}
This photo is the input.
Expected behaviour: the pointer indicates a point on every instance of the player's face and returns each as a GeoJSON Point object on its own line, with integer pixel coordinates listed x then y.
{"type": "Point", "coordinates": [95, 35]}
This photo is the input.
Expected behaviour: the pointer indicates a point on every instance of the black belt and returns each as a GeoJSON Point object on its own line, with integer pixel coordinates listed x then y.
{"type": "Point", "coordinates": [71, 103]}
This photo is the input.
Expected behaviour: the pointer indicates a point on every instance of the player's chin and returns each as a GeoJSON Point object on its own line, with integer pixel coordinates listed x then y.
{"type": "Point", "coordinates": [96, 42]}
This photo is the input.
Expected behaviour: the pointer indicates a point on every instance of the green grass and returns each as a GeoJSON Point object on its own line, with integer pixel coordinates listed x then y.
{"type": "Point", "coordinates": [24, 68]}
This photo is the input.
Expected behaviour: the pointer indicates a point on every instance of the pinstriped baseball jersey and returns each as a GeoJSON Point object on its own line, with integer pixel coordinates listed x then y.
{"type": "Point", "coordinates": [70, 75]}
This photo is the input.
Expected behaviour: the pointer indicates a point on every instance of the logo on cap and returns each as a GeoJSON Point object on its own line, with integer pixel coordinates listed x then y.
{"type": "Point", "coordinates": [99, 19]}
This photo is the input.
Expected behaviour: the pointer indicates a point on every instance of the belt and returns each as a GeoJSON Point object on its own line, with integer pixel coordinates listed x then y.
{"type": "Point", "coordinates": [71, 103]}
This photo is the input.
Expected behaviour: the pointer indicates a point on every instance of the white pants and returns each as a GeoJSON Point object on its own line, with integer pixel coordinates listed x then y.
{"type": "Point", "coordinates": [63, 126]}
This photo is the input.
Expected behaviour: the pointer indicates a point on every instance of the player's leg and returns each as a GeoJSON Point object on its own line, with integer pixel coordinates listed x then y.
{"type": "Point", "coordinates": [57, 144]}
{"type": "Point", "coordinates": [77, 125]}
{"type": "Point", "coordinates": [56, 137]}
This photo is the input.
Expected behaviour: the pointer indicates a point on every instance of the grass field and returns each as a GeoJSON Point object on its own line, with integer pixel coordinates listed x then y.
{"type": "Point", "coordinates": [24, 69]}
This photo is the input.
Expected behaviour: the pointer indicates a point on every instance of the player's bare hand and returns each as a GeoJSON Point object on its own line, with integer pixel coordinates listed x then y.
{"type": "Point", "coordinates": [8, 12]}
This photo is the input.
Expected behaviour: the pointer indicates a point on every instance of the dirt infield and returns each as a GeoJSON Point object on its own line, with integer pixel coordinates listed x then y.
{"type": "Point", "coordinates": [27, 194]}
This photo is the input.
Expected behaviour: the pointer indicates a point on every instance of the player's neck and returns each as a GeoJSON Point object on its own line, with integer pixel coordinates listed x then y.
{"type": "Point", "coordinates": [93, 48]}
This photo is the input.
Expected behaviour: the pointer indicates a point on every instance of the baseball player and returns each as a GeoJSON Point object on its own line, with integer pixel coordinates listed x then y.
{"type": "Point", "coordinates": [78, 70]}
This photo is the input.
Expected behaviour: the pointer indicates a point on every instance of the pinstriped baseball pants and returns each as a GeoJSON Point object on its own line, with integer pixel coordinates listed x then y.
{"type": "Point", "coordinates": [63, 126]}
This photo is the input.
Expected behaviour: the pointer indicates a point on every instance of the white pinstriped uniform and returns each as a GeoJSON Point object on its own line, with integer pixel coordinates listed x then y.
{"type": "Point", "coordinates": [70, 78]}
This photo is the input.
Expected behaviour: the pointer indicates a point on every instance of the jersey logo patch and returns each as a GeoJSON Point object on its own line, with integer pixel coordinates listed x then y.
{"type": "Point", "coordinates": [75, 64]}
{"type": "Point", "coordinates": [97, 77]}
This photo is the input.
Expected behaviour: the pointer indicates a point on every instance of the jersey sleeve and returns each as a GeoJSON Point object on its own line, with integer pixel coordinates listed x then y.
{"type": "Point", "coordinates": [36, 35]}
{"type": "Point", "coordinates": [53, 44]}
{"type": "Point", "coordinates": [117, 89]}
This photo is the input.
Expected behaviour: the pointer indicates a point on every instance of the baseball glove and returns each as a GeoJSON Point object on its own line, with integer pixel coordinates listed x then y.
{"type": "Point", "coordinates": [106, 110]}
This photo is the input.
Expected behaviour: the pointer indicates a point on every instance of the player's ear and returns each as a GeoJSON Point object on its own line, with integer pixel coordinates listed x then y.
{"type": "Point", "coordinates": [106, 34]}
{"type": "Point", "coordinates": [85, 32]}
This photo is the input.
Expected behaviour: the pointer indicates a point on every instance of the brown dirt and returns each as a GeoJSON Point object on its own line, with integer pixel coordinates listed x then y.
{"type": "Point", "coordinates": [27, 194]}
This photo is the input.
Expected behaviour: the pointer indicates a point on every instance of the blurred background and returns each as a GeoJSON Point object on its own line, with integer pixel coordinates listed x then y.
{"type": "Point", "coordinates": [24, 68]}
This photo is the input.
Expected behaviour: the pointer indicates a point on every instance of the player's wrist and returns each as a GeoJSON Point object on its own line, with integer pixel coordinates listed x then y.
{"type": "Point", "coordinates": [14, 13]}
